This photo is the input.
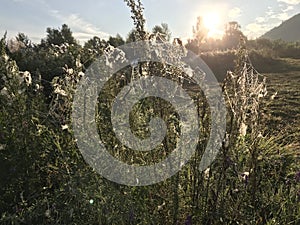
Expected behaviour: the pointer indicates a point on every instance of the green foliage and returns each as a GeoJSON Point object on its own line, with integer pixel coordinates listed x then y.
{"type": "Point", "coordinates": [277, 48]}
{"type": "Point", "coordinates": [59, 36]}
{"type": "Point", "coordinates": [44, 179]}
{"type": "Point", "coordinates": [138, 18]}
{"type": "Point", "coordinates": [201, 43]}
{"type": "Point", "coordinates": [116, 41]}
{"type": "Point", "coordinates": [164, 30]}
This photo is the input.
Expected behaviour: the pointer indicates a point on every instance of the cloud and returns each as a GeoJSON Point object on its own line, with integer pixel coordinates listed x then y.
{"type": "Point", "coordinates": [260, 19]}
{"type": "Point", "coordinates": [280, 16]}
{"type": "Point", "coordinates": [271, 19]}
{"type": "Point", "coordinates": [290, 2]}
{"type": "Point", "coordinates": [254, 29]}
{"type": "Point", "coordinates": [82, 29]}
{"type": "Point", "coordinates": [235, 13]}
{"type": "Point", "coordinates": [289, 8]}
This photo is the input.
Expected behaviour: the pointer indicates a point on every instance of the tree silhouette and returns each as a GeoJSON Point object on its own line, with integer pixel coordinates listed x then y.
{"type": "Point", "coordinates": [162, 29]}
{"type": "Point", "coordinates": [59, 36]}
{"type": "Point", "coordinates": [233, 35]}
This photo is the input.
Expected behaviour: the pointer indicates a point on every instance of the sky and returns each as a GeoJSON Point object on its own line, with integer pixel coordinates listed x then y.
{"type": "Point", "coordinates": [104, 18]}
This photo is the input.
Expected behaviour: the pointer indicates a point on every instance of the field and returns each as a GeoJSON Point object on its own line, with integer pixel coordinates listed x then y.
{"type": "Point", "coordinates": [284, 109]}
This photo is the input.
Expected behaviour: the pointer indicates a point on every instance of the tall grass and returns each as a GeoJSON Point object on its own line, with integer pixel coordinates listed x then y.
{"type": "Point", "coordinates": [44, 179]}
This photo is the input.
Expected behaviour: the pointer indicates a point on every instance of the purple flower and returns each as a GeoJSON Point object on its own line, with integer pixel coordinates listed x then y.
{"type": "Point", "coordinates": [131, 216]}
{"type": "Point", "coordinates": [188, 220]}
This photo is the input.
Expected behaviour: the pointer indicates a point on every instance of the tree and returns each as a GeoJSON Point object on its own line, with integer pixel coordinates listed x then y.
{"type": "Point", "coordinates": [233, 35]}
{"type": "Point", "coordinates": [137, 9]}
{"type": "Point", "coordinates": [162, 29]}
{"type": "Point", "coordinates": [21, 37]}
{"type": "Point", "coordinates": [95, 43]}
{"type": "Point", "coordinates": [59, 36]}
{"type": "Point", "coordinates": [92, 49]}
{"type": "Point", "coordinates": [132, 36]}
{"type": "Point", "coordinates": [200, 32]}
{"type": "Point", "coordinates": [116, 41]}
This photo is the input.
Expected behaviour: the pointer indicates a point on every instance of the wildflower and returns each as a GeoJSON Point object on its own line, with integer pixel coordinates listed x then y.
{"type": "Point", "coordinates": [274, 95]}
{"type": "Point", "coordinates": [37, 87]}
{"type": "Point", "coordinates": [243, 129]}
{"type": "Point", "coordinates": [260, 135]}
{"type": "Point", "coordinates": [64, 127]}
{"type": "Point", "coordinates": [4, 92]}
{"type": "Point", "coordinates": [60, 91]}
{"type": "Point", "coordinates": [27, 78]}
{"type": "Point", "coordinates": [245, 177]}
{"type": "Point", "coordinates": [245, 174]}
{"type": "Point", "coordinates": [78, 63]}
{"type": "Point", "coordinates": [91, 201]}
{"type": "Point", "coordinates": [206, 173]}
{"type": "Point", "coordinates": [6, 58]}
{"type": "Point", "coordinates": [2, 147]}
{"type": "Point", "coordinates": [160, 206]}
{"type": "Point", "coordinates": [81, 74]}
{"type": "Point", "coordinates": [188, 220]}
{"type": "Point", "coordinates": [70, 71]}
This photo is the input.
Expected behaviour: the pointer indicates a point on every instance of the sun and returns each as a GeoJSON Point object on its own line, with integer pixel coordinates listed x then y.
{"type": "Point", "coordinates": [212, 22]}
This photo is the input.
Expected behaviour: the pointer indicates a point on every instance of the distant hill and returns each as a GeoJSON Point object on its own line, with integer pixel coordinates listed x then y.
{"type": "Point", "coordinates": [289, 30]}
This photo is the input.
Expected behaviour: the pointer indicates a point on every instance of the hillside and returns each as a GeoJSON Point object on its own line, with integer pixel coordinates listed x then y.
{"type": "Point", "coordinates": [287, 31]}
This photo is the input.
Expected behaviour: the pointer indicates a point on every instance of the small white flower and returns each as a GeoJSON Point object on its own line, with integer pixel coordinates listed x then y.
{"type": "Point", "coordinates": [64, 127]}
{"type": "Point", "coordinates": [161, 206]}
{"type": "Point", "coordinates": [206, 173]}
{"type": "Point", "coordinates": [27, 78]}
{"type": "Point", "coordinates": [70, 71]}
{"type": "Point", "coordinates": [60, 91]}
{"type": "Point", "coordinates": [78, 63]}
{"type": "Point", "coordinates": [4, 92]}
{"type": "Point", "coordinates": [2, 147]}
{"type": "Point", "coordinates": [274, 95]}
{"type": "Point", "coordinates": [37, 87]}
{"type": "Point", "coordinates": [245, 175]}
{"type": "Point", "coordinates": [243, 129]}
{"type": "Point", "coordinates": [81, 74]}
{"type": "Point", "coordinates": [91, 201]}
{"type": "Point", "coordinates": [6, 58]}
